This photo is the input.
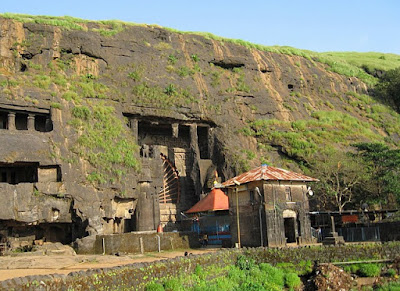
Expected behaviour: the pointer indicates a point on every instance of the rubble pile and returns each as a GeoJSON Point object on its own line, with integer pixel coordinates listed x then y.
{"type": "Point", "coordinates": [330, 277]}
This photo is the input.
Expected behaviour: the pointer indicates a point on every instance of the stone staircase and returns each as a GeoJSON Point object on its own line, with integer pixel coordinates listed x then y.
{"type": "Point", "coordinates": [169, 215]}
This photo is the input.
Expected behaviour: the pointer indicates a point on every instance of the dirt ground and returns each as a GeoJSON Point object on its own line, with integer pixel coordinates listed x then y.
{"type": "Point", "coordinates": [26, 264]}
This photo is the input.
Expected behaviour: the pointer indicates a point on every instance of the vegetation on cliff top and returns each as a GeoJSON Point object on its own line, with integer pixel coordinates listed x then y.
{"type": "Point", "coordinates": [350, 64]}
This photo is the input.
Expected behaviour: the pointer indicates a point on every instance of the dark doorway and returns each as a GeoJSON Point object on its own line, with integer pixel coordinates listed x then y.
{"type": "Point", "coordinates": [3, 120]}
{"type": "Point", "coordinates": [290, 230]}
{"type": "Point", "coordinates": [21, 121]}
{"type": "Point", "coordinates": [20, 172]}
{"type": "Point", "coordinates": [202, 133]}
{"type": "Point", "coordinates": [129, 224]}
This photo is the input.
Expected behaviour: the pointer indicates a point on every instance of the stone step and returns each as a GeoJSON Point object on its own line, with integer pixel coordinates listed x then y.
{"type": "Point", "coordinates": [168, 211]}
{"type": "Point", "coordinates": [168, 206]}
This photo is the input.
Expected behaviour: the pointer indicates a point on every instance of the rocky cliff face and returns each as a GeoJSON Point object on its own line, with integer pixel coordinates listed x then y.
{"type": "Point", "coordinates": [106, 133]}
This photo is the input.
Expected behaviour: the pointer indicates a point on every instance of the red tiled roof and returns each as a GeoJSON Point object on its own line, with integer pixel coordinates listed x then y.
{"type": "Point", "coordinates": [215, 200]}
{"type": "Point", "coordinates": [268, 173]}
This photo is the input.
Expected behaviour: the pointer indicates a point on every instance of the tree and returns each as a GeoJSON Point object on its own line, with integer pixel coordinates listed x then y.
{"type": "Point", "coordinates": [383, 165]}
{"type": "Point", "coordinates": [339, 175]}
{"type": "Point", "coordinates": [388, 87]}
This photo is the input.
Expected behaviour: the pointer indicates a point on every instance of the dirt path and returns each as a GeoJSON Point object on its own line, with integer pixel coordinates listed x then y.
{"type": "Point", "coordinates": [26, 265]}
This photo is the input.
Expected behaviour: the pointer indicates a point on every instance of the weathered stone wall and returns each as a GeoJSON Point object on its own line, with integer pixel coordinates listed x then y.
{"type": "Point", "coordinates": [136, 276]}
{"type": "Point", "coordinates": [141, 242]}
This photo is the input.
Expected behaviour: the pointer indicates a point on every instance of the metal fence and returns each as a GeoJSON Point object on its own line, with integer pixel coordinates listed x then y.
{"type": "Point", "coordinates": [358, 234]}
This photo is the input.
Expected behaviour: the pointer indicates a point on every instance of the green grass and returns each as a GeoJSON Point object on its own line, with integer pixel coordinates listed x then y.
{"type": "Point", "coordinates": [56, 105]}
{"type": "Point", "coordinates": [185, 71]}
{"type": "Point", "coordinates": [104, 142]}
{"type": "Point", "coordinates": [370, 60]}
{"type": "Point", "coordinates": [390, 286]}
{"type": "Point", "coordinates": [112, 27]}
{"type": "Point", "coordinates": [245, 275]}
{"type": "Point", "coordinates": [87, 86]}
{"type": "Point", "coordinates": [65, 21]}
{"type": "Point", "coordinates": [42, 81]}
{"type": "Point", "coordinates": [349, 64]}
{"type": "Point", "coordinates": [171, 96]}
{"type": "Point", "coordinates": [370, 270]}
{"type": "Point", "coordinates": [302, 138]}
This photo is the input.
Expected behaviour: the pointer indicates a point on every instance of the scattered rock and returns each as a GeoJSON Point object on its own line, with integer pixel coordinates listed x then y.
{"type": "Point", "coordinates": [330, 277]}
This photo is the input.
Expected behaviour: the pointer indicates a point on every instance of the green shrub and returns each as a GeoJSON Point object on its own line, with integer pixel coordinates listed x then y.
{"type": "Point", "coordinates": [391, 272]}
{"type": "Point", "coordinates": [236, 275]}
{"type": "Point", "coordinates": [170, 90]}
{"type": "Point", "coordinates": [286, 267]}
{"type": "Point", "coordinates": [56, 105]}
{"type": "Point", "coordinates": [223, 283]}
{"type": "Point", "coordinates": [135, 75]}
{"type": "Point", "coordinates": [42, 81]}
{"type": "Point", "coordinates": [152, 286]}
{"type": "Point", "coordinates": [195, 58]}
{"type": "Point", "coordinates": [251, 286]}
{"type": "Point", "coordinates": [245, 263]}
{"type": "Point", "coordinates": [199, 271]}
{"type": "Point", "coordinates": [353, 268]}
{"type": "Point", "coordinates": [273, 275]}
{"type": "Point", "coordinates": [391, 286]}
{"type": "Point", "coordinates": [172, 59]}
{"type": "Point", "coordinates": [292, 280]}
{"type": "Point", "coordinates": [95, 177]}
{"type": "Point", "coordinates": [81, 112]}
{"type": "Point", "coordinates": [369, 270]}
{"type": "Point", "coordinates": [70, 96]}
{"type": "Point", "coordinates": [305, 267]}
{"type": "Point", "coordinates": [173, 285]}
{"type": "Point", "coordinates": [185, 71]}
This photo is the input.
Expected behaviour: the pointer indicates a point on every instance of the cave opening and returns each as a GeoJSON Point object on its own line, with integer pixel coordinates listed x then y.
{"type": "Point", "coordinates": [202, 134]}
{"type": "Point", "coordinates": [19, 172]}
{"type": "Point", "coordinates": [43, 123]}
{"type": "Point", "coordinates": [227, 65]}
{"type": "Point", "coordinates": [21, 121]}
{"type": "Point", "coordinates": [3, 120]}
{"type": "Point", "coordinates": [16, 232]}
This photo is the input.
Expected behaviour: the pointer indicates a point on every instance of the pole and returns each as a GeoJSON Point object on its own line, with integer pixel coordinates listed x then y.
{"type": "Point", "coordinates": [261, 230]}
{"type": "Point", "coordinates": [260, 215]}
{"type": "Point", "coordinates": [237, 215]}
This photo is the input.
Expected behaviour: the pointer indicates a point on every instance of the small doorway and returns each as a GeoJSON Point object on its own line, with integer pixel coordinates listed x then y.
{"type": "Point", "coordinates": [289, 221]}
{"type": "Point", "coordinates": [290, 229]}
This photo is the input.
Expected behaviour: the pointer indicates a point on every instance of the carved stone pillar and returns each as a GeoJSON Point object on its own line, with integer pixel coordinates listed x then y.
{"type": "Point", "coordinates": [11, 121]}
{"type": "Point", "coordinates": [175, 130]}
{"type": "Point", "coordinates": [31, 122]}
{"type": "Point", "coordinates": [194, 139]}
{"type": "Point", "coordinates": [134, 124]}
{"type": "Point", "coordinates": [48, 125]}
{"type": "Point", "coordinates": [147, 209]}
{"type": "Point", "coordinates": [195, 172]}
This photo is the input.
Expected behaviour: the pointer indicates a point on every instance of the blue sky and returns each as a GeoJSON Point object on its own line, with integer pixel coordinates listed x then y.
{"type": "Point", "coordinates": [340, 25]}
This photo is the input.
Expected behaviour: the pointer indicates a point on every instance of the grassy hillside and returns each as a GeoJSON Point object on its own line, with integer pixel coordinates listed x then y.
{"type": "Point", "coordinates": [351, 64]}
{"type": "Point", "coordinates": [370, 60]}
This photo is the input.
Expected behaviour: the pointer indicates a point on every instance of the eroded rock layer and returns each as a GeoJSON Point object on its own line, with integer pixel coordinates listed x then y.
{"type": "Point", "coordinates": [109, 133]}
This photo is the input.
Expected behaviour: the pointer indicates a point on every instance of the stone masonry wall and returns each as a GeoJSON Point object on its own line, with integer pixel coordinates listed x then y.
{"type": "Point", "coordinates": [144, 242]}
